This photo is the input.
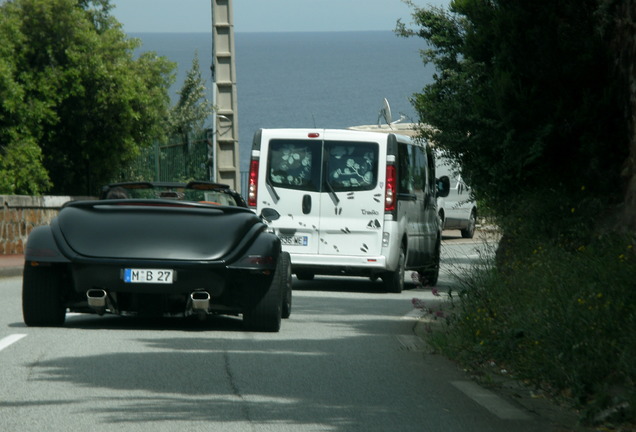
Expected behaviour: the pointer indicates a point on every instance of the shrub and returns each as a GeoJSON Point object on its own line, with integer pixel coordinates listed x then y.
{"type": "Point", "coordinates": [561, 319]}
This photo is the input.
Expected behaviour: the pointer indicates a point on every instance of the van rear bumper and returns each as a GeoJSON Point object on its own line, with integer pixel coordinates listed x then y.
{"type": "Point", "coordinates": [339, 264]}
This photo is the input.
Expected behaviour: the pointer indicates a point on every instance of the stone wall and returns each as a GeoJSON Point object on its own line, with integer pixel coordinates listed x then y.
{"type": "Point", "coordinates": [19, 214]}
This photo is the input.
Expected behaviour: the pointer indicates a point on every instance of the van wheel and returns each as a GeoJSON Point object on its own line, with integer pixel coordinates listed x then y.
{"type": "Point", "coordinates": [394, 281]}
{"type": "Point", "coordinates": [430, 274]}
{"type": "Point", "coordinates": [469, 231]}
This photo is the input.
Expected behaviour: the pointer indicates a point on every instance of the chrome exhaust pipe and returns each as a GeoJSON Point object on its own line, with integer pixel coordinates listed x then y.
{"type": "Point", "coordinates": [97, 299]}
{"type": "Point", "coordinates": [200, 301]}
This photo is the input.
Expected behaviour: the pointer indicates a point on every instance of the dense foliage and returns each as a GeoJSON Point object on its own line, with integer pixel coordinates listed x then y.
{"type": "Point", "coordinates": [526, 98]}
{"type": "Point", "coordinates": [75, 105]}
{"type": "Point", "coordinates": [185, 154]}
{"type": "Point", "coordinates": [561, 322]}
{"type": "Point", "coordinates": [536, 102]}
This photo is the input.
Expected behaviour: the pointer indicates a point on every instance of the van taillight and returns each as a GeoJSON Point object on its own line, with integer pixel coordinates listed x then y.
{"type": "Point", "coordinates": [252, 187]}
{"type": "Point", "coordinates": [391, 182]}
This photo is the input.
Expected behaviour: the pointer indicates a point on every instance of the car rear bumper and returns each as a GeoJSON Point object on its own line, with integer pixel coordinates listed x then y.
{"type": "Point", "coordinates": [185, 279]}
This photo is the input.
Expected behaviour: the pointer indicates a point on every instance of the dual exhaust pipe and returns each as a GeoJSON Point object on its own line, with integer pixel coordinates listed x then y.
{"type": "Point", "coordinates": [200, 302]}
{"type": "Point", "coordinates": [99, 301]}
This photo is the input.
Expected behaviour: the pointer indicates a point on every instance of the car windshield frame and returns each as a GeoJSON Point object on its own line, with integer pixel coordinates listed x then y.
{"type": "Point", "coordinates": [198, 192]}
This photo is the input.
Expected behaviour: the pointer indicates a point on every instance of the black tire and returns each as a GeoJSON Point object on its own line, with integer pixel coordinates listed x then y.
{"type": "Point", "coordinates": [430, 274]}
{"type": "Point", "coordinates": [305, 276]}
{"type": "Point", "coordinates": [469, 231]}
{"type": "Point", "coordinates": [394, 280]}
{"type": "Point", "coordinates": [265, 308]}
{"type": "Point", "coordinates": [287, 294]}
{"type": "Point", "coordinates": [42, 300]}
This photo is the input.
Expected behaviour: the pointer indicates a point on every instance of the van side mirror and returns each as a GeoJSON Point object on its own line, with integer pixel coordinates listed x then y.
{"type": "Point", "coordinates": [443, 186]}
{"type": "Point", "coordinates": [269, 214]}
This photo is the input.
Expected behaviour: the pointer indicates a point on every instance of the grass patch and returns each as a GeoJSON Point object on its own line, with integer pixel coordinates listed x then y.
{"type": "Point", "coordinates": [563, 320]}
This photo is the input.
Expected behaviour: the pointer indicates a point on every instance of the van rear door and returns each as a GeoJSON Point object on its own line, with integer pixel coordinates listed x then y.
{"type": "Point", "coordinates": [291, 162]}
{"type": "Point", "coordinates": [352, 199]}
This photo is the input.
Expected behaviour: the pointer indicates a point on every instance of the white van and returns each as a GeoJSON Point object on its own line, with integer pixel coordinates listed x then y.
{"type": "Point", "coordinates": [349, 202]}
{"type": "Point", "coordinates": [458, 210]}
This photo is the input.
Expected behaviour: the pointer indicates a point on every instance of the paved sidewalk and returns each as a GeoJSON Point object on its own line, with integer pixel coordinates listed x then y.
{"type": "Point", "coordinates": [11, 265]}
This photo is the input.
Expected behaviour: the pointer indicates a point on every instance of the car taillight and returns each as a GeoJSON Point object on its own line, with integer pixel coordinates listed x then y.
{"type": "Point", "coordinates": [389, 196]}
{"type": "Point", "coordinates": [252, 187]}
{"type": "Point", "coordinates": [258, 261]}
{"type": "Point", "coordinates": [263, 264]}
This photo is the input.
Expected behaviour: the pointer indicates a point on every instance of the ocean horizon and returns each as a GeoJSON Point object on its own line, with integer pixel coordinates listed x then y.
{"type": "Point", "coordinates": [306, 79]}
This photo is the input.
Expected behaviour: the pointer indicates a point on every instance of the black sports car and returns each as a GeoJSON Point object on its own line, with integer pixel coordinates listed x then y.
{"type": "Point", "coordinates": [157, 249]}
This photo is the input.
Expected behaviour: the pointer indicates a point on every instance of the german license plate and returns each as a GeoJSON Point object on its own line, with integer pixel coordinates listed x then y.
{"type": "Point", "coordinates": [297, 240]}
{"type": "Point", "coordinates": [156, 276]}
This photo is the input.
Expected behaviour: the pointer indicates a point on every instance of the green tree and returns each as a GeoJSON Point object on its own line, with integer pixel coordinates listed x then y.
{"type": "Point", "coordinates": [537, 102]}
{"type": "Point", "coordinates": [621, 26]}
{"type": "Point", "coordinates": [91, 105]}
{"type": "Point", "coordinates": [526, 98]}
{"type": "Point", "coordinates": [192, 110]}
{"type": "Point", "coordinates": [187, 120]}
{"type": "Point", "coordinates": [21, 169]}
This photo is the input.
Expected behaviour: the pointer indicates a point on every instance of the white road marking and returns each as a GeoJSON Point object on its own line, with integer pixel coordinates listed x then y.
{"type": "Point", "coordinates": [5, 342]}
{"type": "Point", "coordinates": [490, 401]}
{"type": "Point", "coordinates": [411, 343]}
{"type": "Point", "coordinates": [414, 314]}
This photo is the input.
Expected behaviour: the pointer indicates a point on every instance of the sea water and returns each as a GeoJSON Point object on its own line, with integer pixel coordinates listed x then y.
{"type": "Point", "coordinates": [307, 79]}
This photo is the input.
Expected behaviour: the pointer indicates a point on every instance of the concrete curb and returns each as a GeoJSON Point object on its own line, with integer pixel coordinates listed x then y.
{"type": "Point", "coordinates": [509, 388]}
{"type": "Point", "coordinates": [11, 265]}
{"type": "Point", "coordinates": [6, 272]}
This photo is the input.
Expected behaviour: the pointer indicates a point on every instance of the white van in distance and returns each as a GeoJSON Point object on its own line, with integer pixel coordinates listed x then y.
{"type": "Point", "coordinates": [458, 210]}
{"type": "Point", "coordinates": [350, 202]}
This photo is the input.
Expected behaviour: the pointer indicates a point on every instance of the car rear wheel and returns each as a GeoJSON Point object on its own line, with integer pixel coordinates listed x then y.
{"type": "Point", "coordinates": [287, 294]}
{"type": "Point", "coordinates": [394, 280]}
{"type": "Point", "coordinates": [265, 308]}
{"type": "Point", "coordinates": [42, 302]}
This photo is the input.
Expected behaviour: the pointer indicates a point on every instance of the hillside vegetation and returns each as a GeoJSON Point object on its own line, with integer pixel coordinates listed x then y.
{"type": "Point", "coordinates": [536, 101]}
{"type": "Point", "coordinates": [79, 106]}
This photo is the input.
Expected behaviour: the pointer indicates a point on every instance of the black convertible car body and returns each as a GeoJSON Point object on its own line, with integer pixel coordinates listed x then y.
{"type": "Point", "coordinates": [157, 249]}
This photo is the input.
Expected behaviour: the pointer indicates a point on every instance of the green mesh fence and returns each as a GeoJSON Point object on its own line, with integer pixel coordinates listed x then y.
{"type": "Point", "coordinates": [173, 161]}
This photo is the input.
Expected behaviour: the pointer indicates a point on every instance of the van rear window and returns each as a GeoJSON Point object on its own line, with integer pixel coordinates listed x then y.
{"type": "Point", "coordinates": [299, 164]}
{"type": "Point", "coordinates": [351, 166]}
{"type": "Point", "coordinates": [295, 164]}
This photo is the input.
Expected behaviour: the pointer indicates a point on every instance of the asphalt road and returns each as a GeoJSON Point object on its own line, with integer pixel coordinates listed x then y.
{"type": "Point", "coordinates": [347, 360]}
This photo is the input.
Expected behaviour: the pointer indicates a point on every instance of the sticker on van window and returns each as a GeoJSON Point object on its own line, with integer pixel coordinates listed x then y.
{"type": "Point", "coordinates": [351, 166]}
